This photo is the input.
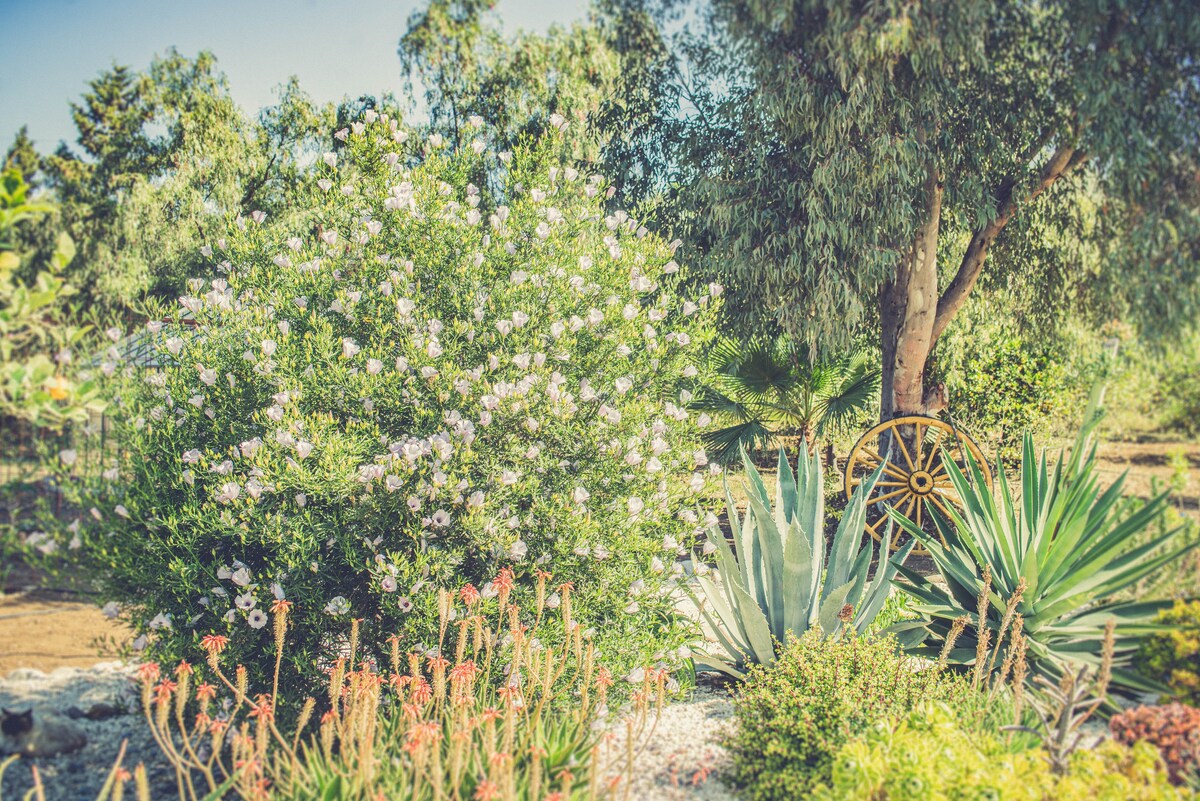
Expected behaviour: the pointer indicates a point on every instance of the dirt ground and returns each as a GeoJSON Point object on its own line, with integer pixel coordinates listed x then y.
{"type": "Point", "coordinates": [38, 630]}
{"type": "Point", "coordinates": [43, 630]}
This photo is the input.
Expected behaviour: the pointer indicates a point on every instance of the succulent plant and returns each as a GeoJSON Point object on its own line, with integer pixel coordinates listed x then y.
{"type": "Point", "coordinates": [1066, 546]}
{"type": "Point", "coordinates": [780, 581]}
{"type": "Point", "coordinates": [1173, 729]}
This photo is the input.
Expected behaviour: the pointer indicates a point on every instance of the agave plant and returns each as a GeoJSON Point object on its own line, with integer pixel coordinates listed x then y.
{"type": "Point", "coordinates": [768, 388]}
{"type": "Point", "coordinates": [1061, 550]}
{"type": "Point", "coordinates": [780, 581]}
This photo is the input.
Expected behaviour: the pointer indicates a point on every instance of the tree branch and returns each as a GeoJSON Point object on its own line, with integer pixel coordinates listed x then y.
{"type": "Point", "coordinates": [1064, 159]}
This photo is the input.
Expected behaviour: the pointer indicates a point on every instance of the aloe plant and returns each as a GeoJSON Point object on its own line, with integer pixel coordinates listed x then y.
{"type": "Point", "coordinates": [1066, 546]}
{"type": "Point", "coordinates": [780, 580]}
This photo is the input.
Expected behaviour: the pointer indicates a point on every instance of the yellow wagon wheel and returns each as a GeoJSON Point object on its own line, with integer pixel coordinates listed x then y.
{"type": "Point", "coordinates": [914, 479]}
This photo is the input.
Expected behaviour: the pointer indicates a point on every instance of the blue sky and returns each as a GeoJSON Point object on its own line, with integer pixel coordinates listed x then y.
{"type": "Point", "coordinates": [336, 47]}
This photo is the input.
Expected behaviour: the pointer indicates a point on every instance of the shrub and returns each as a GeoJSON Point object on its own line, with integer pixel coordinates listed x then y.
{"type": "Point", "coordinates": [928, 755]}
{"type": "Point", "coordinates": [779, 585]}
{"type": "Point", "coordinates": [1049, 565]}
{"type": "Point", "coordinates": [1172, 655]}
{"type": "Point", "coordinates": [792, 718]}
{"type": "Point", "coordinates": [1173, 729]}
{"type": "Point", "coordinates": [1179, 388]}
{"type": "Point", "coordinates": [424, 379]}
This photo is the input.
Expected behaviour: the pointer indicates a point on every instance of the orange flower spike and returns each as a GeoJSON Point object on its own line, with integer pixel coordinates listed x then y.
{"type": "Point", "coordinates": [487, 791]}
{"type": "Point", "coordinates": [184, 668]}
{"type": "Point", "coordinates": [469, 595]}
{"type": "Point", "coordinates": [148, 672]}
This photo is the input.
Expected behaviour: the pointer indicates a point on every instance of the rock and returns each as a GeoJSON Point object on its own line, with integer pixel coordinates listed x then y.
{"type": "Point", "coordinates": [26, 674]}
{"type": "Point", "coordinates": [49, 735]}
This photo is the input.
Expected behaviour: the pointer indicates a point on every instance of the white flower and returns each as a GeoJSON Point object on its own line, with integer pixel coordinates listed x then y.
{"type": "Point", "coordinates": [440, 518]}
{"type": "Point", "coordinates": [624, 384]}
{"type": "Point", "coordinates": [656, 565]}
{"type": "Point", "coordinates": [241, 576]}
{"type": "Point", "coordinates": [518, 550]}
{"type": "Point", "coordinates": [303, 449]}
{"type": "Point", "coordinates": [374, 366]}
{"type": "Point", "coordinates": [388, 584]}
{"type": "Point", "coordinates": [68, 456]}
{"type": "Point", "coordinates": [245, 601]}
{"type": "Point", "coordinates": [475, 500]}
{"type": "Point", "coordinates": [349, 348]}
{"type": "Point", "coordinates": [337, 605]}
{"type": "Point", "coordinates": [301, 500]}
{"type": "Point", "coordinates": [508, 477]}
{"type": "Point", "coordinates": [330, 159]}
{"type": "Point", "coordinates": [256, 619]}
{"type": "Point", "coordinates": [580, 496]}
{"type": "Point", "coordinates": [669, 543]}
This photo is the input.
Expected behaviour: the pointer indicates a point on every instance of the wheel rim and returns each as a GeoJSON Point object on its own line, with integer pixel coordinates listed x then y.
{"type": "Point", "coordinates": [915, 480]}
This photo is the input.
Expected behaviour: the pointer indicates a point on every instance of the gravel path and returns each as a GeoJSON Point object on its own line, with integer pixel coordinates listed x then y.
{"type": "Point", "coordinates": [681, 759]}
{"type": "Point", "coordinates": [67, 696]}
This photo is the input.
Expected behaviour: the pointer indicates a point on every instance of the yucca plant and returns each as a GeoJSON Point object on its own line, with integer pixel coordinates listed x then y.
{"type": "Point", "coordinates": [1065, 546]}
{"type": "Point", "coordinates": [780, 581]}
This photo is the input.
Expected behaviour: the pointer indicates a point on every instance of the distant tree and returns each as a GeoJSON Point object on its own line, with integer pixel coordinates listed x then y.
{"type": "Point", "coordinates": [870, 165]}
{"type": "Point", "coordinates": [601, 77]}
{"type": "Point", "coordinates": [161, 156]}
{"type": "Point", "coordinates": [23, 157]}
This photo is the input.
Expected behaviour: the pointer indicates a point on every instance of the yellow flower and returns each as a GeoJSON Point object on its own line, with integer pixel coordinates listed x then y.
{"type": "Point", "coordinates": [59, 388]}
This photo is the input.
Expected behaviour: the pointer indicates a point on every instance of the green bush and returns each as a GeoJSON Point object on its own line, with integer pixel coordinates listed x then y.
{"type": "Point", "coordinates": [1001, 383]}
{"type": "Point", "coordinates": [1179, 388]}
{"type": "Point", "coordinates": [927, 755]}
{"type": "Point", "coordinates": [456, 362]}
{"type": "Point", "coordinates": [792, 718]}
{"type": "Point", "coordinates": [1172, 655]}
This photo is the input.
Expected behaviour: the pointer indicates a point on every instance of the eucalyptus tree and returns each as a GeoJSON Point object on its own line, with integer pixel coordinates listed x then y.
{"type": "Point", "coordinates": [602, 80]}
{"type": "Point", "coordinates": [857, 165]}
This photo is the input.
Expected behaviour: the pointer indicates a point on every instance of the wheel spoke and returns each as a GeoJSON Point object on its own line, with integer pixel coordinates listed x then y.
{"type": "Point", "coordinates": [854, 482]}
{"type": "Point", "coordinates": [939, 505]}
{"type": "Point", "coordinates": [933, 450]}
{"type": "Point", "coordinates": [917, 443]}
{"type": "Point", "coordinates": [904, 450]}
{"type": "Point", "coordinates": [920, 506]}
{"type": "Point", "coordinates": [892, 494]}
{"type": "Point", "coordinates": [893, 470]}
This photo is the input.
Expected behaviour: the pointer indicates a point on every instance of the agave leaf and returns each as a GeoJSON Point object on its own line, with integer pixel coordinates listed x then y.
{"type": "Point", "coordinates": [720, 665]}
{"type": "Point", "coordinates": [727, 627]}
{"type": "Point", "coordinates": [798, 572]}
{"type": "Point", "coordinates": [767, 559]}
{"type": "Point", "coordinates": [831, 607]}
{"type": "Point", "coordinates": [753, 621]}
{"type": "Point", "coordinates": [786, 491]}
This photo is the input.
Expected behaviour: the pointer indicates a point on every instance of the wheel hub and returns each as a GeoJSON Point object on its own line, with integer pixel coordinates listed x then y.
{"type": "Point", "coordinates": [920, 482]}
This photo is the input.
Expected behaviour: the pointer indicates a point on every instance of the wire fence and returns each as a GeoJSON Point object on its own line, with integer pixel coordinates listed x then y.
{"type": "Point", "coordinates": [27, 485]}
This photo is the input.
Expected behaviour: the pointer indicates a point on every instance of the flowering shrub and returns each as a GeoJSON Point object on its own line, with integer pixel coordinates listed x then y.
{"type": "Point", "coordinates": [422, 380]}
{"type": "Point", "coordinates": [1173, 729]}
{"type": "Point", "coordinates": [927, 755]}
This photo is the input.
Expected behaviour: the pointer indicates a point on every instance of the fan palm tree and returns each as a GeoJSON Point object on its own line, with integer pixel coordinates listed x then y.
{"type": "Point", "coordinates": [767, 389]}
